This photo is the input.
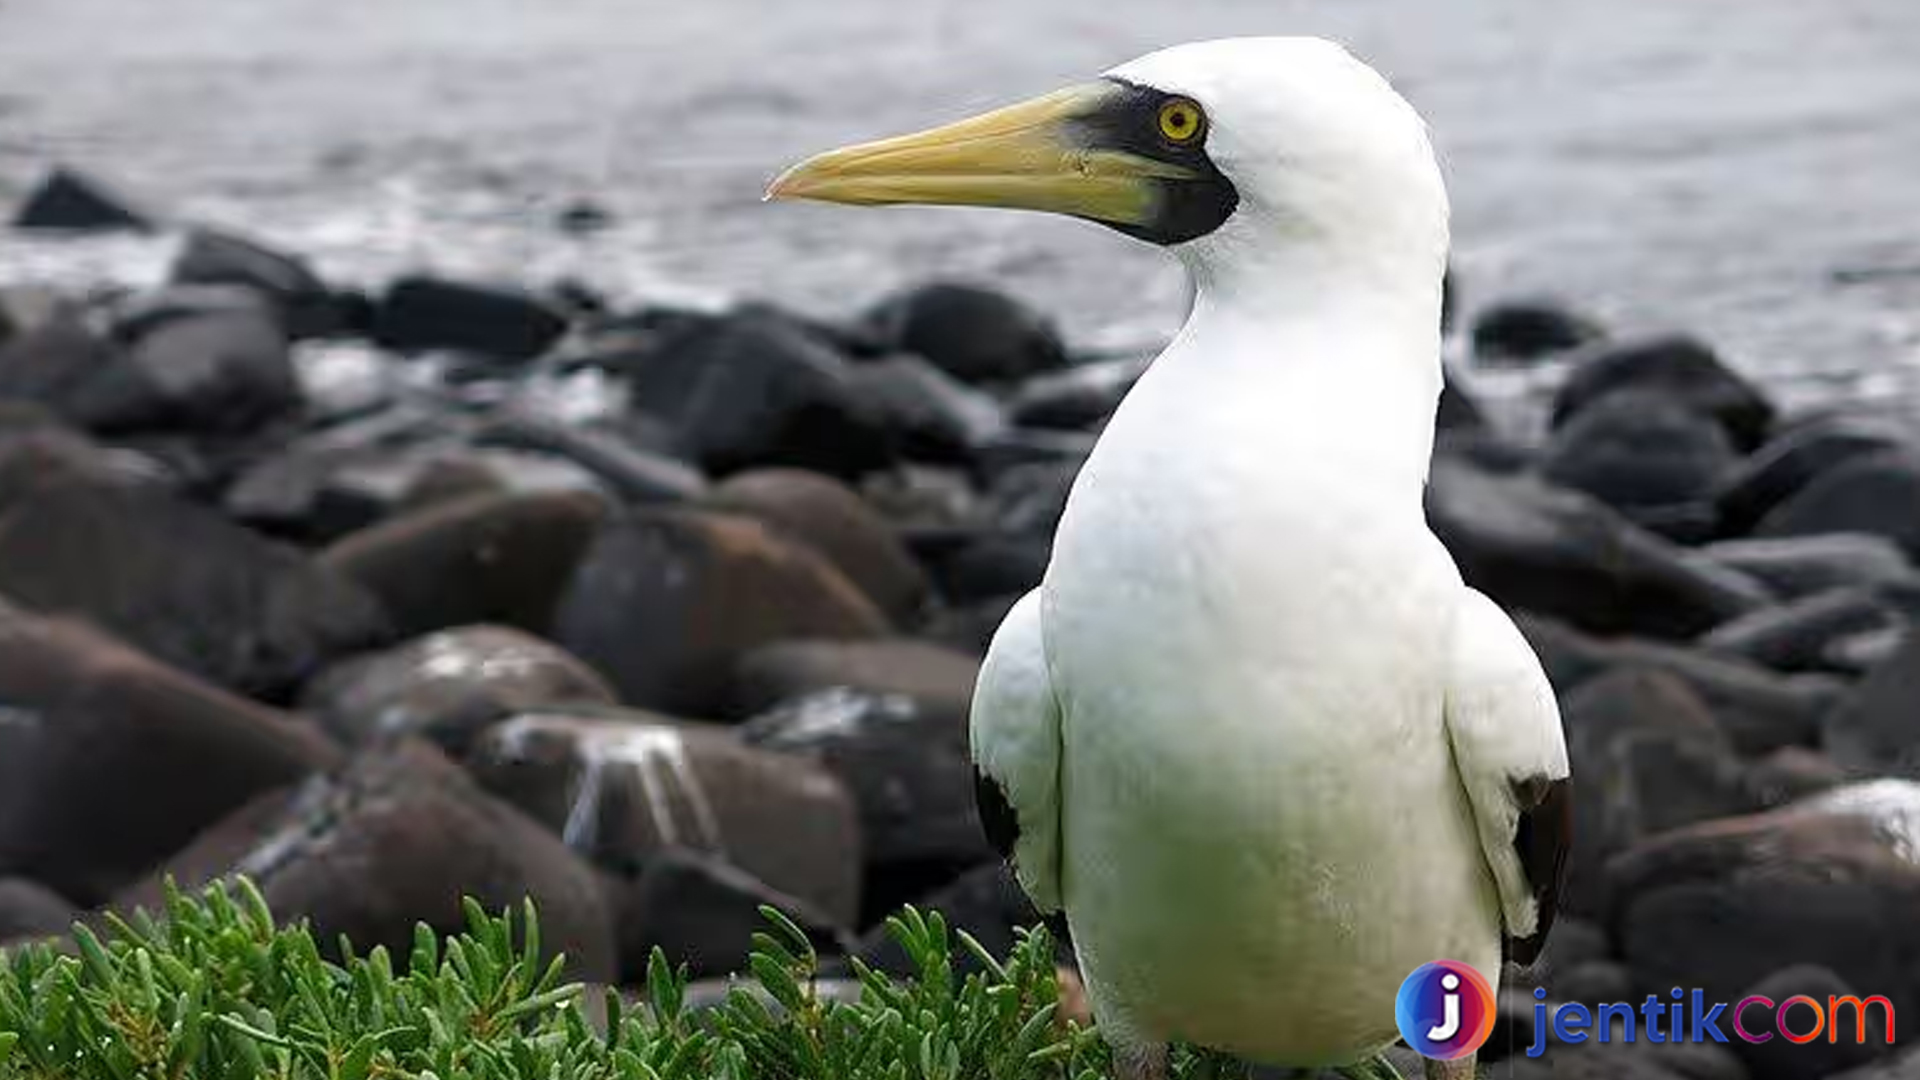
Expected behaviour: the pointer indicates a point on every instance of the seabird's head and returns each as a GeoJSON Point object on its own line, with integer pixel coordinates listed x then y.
{"type": "Point", "coordinates": [1226, 151]}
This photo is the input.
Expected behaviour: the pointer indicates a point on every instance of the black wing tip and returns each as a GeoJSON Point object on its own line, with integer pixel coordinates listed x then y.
{"type": "Point", "coordinates": [1544, 834]}
{"type": "Point", "coordinates": [997, 817]}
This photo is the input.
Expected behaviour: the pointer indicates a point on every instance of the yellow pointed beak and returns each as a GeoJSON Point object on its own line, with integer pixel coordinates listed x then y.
{"type": "Point", "coordinates": [1030, 156]}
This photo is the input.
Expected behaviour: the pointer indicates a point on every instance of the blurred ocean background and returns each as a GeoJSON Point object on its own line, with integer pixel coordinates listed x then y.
{"type": "Point", "coordinates": [1750, 171]}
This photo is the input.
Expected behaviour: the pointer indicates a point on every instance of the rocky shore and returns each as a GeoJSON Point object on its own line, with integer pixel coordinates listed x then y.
{"type": "Point", "coordinates": [657, 615]}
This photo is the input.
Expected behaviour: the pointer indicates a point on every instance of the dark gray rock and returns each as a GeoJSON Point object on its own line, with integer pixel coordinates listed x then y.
{"type": "Point", "coordinates": [932, 415]}
{"type": "Point", "coordinates": [620, 787]}
{"type": "Point", "coordinates": [1758, 709]}
{"type": "Point", "coordinates": [635, 473]}
{"type": "Point", "coordinates": [1459, 410]}
{"type": "Point", "coordinates": [488, 559]}
{"type": "Point", "coordinates": [448, 687]}
{"type": "Point", "coordinates": [1723, 904]}
{"type": "Point", "coordinates": [665, 602]}
{"type": "Point", "coordinates": [1877, 494]}
{"type": "Point", "coordinates": [1678, 368]}
{"type": "Point", "coordinates": [1561, 553]}
{"type": "Point", "coordinates": [307, 307]}
{"type": "Point", "coordinates": [703, 912]}
{"type": "Point", "coordinates": [937, 679]}
{"type": "Point", "coordinates": [1792, 773]}
{"type": "Point", "coordinates": [424, 313]}
{"type": "Point", "coordinates": [908, 770]}
{"type": "Point", "coordinates": [1793, 459]}
{"type": "Point", "coordinates": [1800, 636]}
{"type": "Point", "coordinates": [49, 363]}
{"type": "Point", "coordinates": [1797, 566]}
{"type": "Point", "coordinates": [974, 334]}
{"type": "Point", "coordinates": [183, 584]}
{"type": "Point", "coordinates": [1594, 982]}
{"type": "Point", "coordinates": [399, 838]}
{"type": "Point", "coordinates": [753, 389]}
{"type": "Point", "coordinates": [1633, 450]}
{"type": "Point", "coordinates": [838, 523]}
{"type": "Point", "coordinates": [1650, 758]}
{"type": "Point", "coordinates": [1873, 731]}
{"type": "Point", "coordinates": [986, 902]}
{"type": "Point", "coordinates": [1080, 397]}
{"type": "Point", "coordinates": [110, 761]}
{"type": "Point", "coordinates": [226, 371]}
{"type": "Point", "coordinates": [31, 911]}
{"type": "Point", "coordinates": [70, 200]}
{"type": "Point", "coordinates": [1529, 328]}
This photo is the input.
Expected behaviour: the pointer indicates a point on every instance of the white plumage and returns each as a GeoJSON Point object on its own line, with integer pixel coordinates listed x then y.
{"type": "Point", "coordinates": [1267, 751]}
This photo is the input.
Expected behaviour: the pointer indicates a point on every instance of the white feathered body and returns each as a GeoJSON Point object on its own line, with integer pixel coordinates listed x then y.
{"type": "Point", "coordinates": [1248, 628]}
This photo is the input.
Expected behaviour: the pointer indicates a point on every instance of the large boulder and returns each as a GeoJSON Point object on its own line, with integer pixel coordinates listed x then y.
{"type": "Point", "coordinates": [487, 559]}
{"type": "Point", "coordinates": [399, 838]}
{"type": "Point", "coordinates": [1877, 494]}
{"type": "Point", "coordinates": [835, 521]}
{"type": "Point", "coordinates": [1724, 904]}
{"type": "Point", "coordinates": [1634, 451]}
{"type": "Point", "coordinates": [975, 334]}
{"type": "Point", "coordinates": [666, 601]}
{"type": "Point", "coordinates": [110, 761]}
{"type": "Point", "coordinates": [622, 787]}
{"type": "Point", "coordinates": [182, 583]}
{"type": "Point", "coordinates": [448, 687]}
{"type": "Point", "coordinates": [1678, 368]}
{"type": "Point", "coordinates": [1561, 553]}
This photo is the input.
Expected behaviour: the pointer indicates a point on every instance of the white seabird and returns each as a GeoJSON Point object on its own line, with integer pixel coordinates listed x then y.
{"type": "Point", "coordinates": [1252, 733]}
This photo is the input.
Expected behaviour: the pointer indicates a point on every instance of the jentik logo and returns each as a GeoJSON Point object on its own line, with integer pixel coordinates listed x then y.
{"type": "Point", "coordinates": [1445, 1010]}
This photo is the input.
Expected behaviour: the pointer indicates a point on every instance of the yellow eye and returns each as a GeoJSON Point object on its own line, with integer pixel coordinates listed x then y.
{"type": "Point", "coordinates": [1180, 120]}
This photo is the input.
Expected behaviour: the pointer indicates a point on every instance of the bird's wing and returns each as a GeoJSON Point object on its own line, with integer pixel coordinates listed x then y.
{"type": "Point", "coordinates": [1512, 758]}
{"type": "Point", "coordinates": [1016, 753]}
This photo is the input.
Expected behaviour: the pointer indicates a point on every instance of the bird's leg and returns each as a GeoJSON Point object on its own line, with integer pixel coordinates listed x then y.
{"type": "Point", "coordinates": [1457, 1069]}
{"type": "Point", "coordinates": [1146, 1061]}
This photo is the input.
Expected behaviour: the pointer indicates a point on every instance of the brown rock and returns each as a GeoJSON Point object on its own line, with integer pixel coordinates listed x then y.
{"type": "Point", "coordinates": [839, 524]}
{"type": "Point", "coordinates": [489, 559]}
{"type": "Point", "coordinates": [620, 786]}
{"type": "Point", "coordinates": [667, 601]}
{"type": "Point", "coordinates": [110, 761]}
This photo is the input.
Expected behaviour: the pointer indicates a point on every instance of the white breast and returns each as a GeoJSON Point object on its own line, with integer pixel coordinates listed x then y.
{"type": "Point", "coordinates": [1246, 622]}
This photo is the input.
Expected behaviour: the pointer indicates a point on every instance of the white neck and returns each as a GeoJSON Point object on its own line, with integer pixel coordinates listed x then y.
{"type": "Point", "coordinates": [1312, 346]}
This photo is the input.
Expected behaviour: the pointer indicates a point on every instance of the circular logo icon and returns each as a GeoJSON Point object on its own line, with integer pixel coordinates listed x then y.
{"type": "Point", "coordinates": [1445, 1010]}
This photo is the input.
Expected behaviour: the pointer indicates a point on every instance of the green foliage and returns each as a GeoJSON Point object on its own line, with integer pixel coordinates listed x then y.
{"type": "Point", "coordinates": [214, 991]}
